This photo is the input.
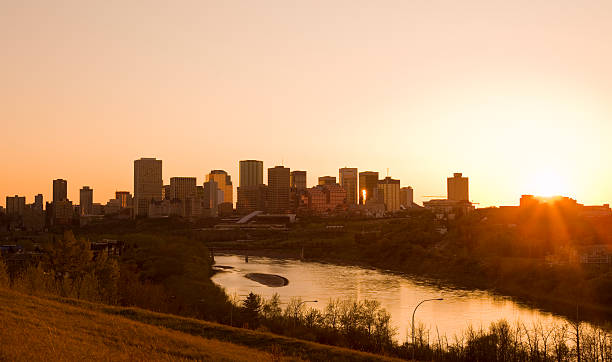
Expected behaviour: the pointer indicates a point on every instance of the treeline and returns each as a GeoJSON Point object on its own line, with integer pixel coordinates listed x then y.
{"type": "Point", "coordinates": [365, 326]}
{"type": "Point", "coordinates": [164, 274]}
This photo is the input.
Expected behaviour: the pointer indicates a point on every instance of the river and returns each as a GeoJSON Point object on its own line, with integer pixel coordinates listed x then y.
{"type": "Point", "coordinates": [398, 294]}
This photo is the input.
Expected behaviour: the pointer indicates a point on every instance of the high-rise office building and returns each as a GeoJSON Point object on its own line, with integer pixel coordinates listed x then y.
{"type": "Point", "coordinates": [60, 190]}
{"type": "Point", "coordinates": [148, 184]}
{"type": "Point", "coordinates": [368, 186]}
{"type": "Point", "coordinates": [389, 193]}
{"type": "Point", "coordinates": [224, 182]}
{"type": "Point", "coordinates": [251, 198]}
{"type": "Point", "coordinates": [458, 188]}
{"type": "Point", "coordinates": [38, 203]}
{"type": "Point", "coordinates": [406, 197]}
{"type": "Point", "coordinates": [86, 200]}
{"type": "Point", "coordinates": [279, 189]}
{"type": "Point", "coordinates": [182, 188]}
{"type": "Point", "coordinates": [15, 205]}
{"type": "Point", "coordinates": [211, 195]}
{"type": "Point", "coordinates": [298, 180]}
{"type": "Point", "coordinates": [125, 199]}
{"type": "Point", "coordinates": [348, 181]}
{"type": "Point", "coordinates": [251, 173]}
{"type": "Point", "coordinates": [327, 180]}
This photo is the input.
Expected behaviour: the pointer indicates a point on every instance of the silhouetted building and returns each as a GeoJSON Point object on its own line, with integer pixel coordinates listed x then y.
{"type": "Point", "coordinates": [38, 203]}
{"type": "Point", "coordinates": [406, 197]}
{"type": "Point", "coordinates": [349, 181]}
{"type": "Point", "coordinates": [60, 190]}
{"type": "Point", "coordinates": [251, 198]}
{"type": "Point", "coordinates": [63, 212]}
{"type": "Point", "coordinates": [389, 193]}
{"type": "Point", "coordinates": [368, 186]}
{"type": "Point", "coordinates": [449, 209]}
{"type": "Point", "coordinates": [182, 188]}
{"type": "Point", "coordinates": [148, 184]}
{"type": "Point", "coordinates": [166, 192]}
{"type": "Point", "coordinates": [86, 201]}
{"type": "Point", "coordinates": [298, 180]}
{"type": "Point", "coordinates": [15, 205]}
{"type": "Point", "coordinates": [251, 173]}
{"type": "Point", "coordinates": [458, 188]}
{"type": "Point", "coordinates": [224, 182]}
{"type": "Point", "coordinates": [327, 180]}
{"type": "Point", "coordinates": [125, 199]}
{"type": "Point", "coordinates": [211, 194]}
{"type": "Point", "coordinates": [279, 189]}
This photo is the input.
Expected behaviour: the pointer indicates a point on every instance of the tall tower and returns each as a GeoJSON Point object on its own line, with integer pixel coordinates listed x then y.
{"type": "Point", "coordinates": [298, 180]}
{"type": "Point", "coordinates": [458, 188]}
{"type": "Point", "coordinates": [148, 184]}
{"type": "Point", "coordinates": [224, 183]}
{"type": "Point", "coordinates": [279, 189]}
{"type": "Point", "coordinates": [368, 186]}
{"type": "Point", "coordinates": [251, 173]}
{"type": "Point", "coordinates": [406, 197]}
{"type": "Point", "coordinates": [60, 190]}
{"type": "Point", "coordinates": [348, 180]}
{"type": "Point", "coordinates": [389, 193]}
{"type": "Point", "coordinates": [86, 200]}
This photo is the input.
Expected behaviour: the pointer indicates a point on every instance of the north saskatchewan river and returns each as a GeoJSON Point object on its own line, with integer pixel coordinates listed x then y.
{"type": "Point", "coordinates": [398, 294]}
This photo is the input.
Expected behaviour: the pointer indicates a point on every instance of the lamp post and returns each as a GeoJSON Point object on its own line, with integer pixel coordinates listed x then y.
{"type": "Point", "coordinates": [413, 312]}
{"type": "Point", "coordinates": [297, 307]}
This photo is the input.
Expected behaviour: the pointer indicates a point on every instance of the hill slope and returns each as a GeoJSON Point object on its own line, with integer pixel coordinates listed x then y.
{"type": "Point", "coordinates": [51, 328]}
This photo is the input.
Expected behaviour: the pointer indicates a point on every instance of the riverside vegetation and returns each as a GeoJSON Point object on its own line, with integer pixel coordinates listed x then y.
{"type": "Point", "coordinates": [171, 274]}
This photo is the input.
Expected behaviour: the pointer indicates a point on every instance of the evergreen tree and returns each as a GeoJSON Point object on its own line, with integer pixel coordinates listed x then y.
{"type": "Point", "coordinates": [252, 306]}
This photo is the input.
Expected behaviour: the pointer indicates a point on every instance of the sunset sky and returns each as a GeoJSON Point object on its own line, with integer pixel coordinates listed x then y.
{"type": "Point", "coordinates": [517, 95]}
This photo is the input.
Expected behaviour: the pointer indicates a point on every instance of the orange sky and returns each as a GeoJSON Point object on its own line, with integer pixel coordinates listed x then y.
{"type": "Point", "coordinates": [517, 95]}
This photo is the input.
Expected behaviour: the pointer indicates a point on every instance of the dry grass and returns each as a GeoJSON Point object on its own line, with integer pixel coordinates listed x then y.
{"type": "Point", "coordinates": [33, 329]}
{"type": "Point", "coordinates": [54, 328]}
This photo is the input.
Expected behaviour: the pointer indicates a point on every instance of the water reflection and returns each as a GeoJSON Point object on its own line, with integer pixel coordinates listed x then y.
{"type": "Point", "coordinates": [396, 293]}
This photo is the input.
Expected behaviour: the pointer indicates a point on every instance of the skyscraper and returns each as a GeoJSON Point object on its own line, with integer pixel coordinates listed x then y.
{"type": "Point", "coordinates": [327, 180]}
{"type": "Point", "coordinates": [15, 205]}
{"type": "Point", "coordinates": [279, 189]}
{"type": "Point", "coordinates": [251, 191]}
{"type": "Point", "coordinates": [60, 190]}
{"type": "Point", "coordinates": [211, 195]}
{"type": "Point", "coordinates": [251, 173]}
{"type": "Point", "coordinates": [182, 188]}
{"type": "Point", "coordinates": [298, 180]}
{"type": "Point", "coordinates": [458, 187]}
{"type": "Point", "coordinates": [368, 186]}
{"type": "Point", "coordinates": [348, 180]}
{"type": "Point", "coordinates": [147, 184]}
{"type": "Point", "coordinates": [224, 182]}
{"type": "Point", "coordinates": [389, 193]}
{"type": "Point", "coordinates": [38, 203]}
{"type": "Point", "coordinates": [86, 200]}
{"type": "Point", "coordinates": [406, 197]}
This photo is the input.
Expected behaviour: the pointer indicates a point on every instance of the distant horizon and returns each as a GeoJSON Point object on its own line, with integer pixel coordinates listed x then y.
{"type": "Point", "coordinates": [516, 95]}
{"type": "Point", "coordinates": [73, 191]}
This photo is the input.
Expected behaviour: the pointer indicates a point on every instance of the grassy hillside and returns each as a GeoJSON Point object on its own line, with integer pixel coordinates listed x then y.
{"type": "Point", "coordinates": [52, 328]}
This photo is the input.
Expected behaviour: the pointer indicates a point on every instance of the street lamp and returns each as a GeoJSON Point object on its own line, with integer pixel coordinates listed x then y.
{"type": "Point", "coordinates": [413, 312]}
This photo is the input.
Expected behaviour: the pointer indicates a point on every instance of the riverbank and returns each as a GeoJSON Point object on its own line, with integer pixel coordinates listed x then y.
{"type": "Point", "coordinates": [462, 275]}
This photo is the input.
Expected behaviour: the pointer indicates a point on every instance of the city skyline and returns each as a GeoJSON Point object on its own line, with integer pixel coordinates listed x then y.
{"type": "Point", "coordinates": [312, 180]}
{"type": "Point", "coordinates": [517, 96]}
